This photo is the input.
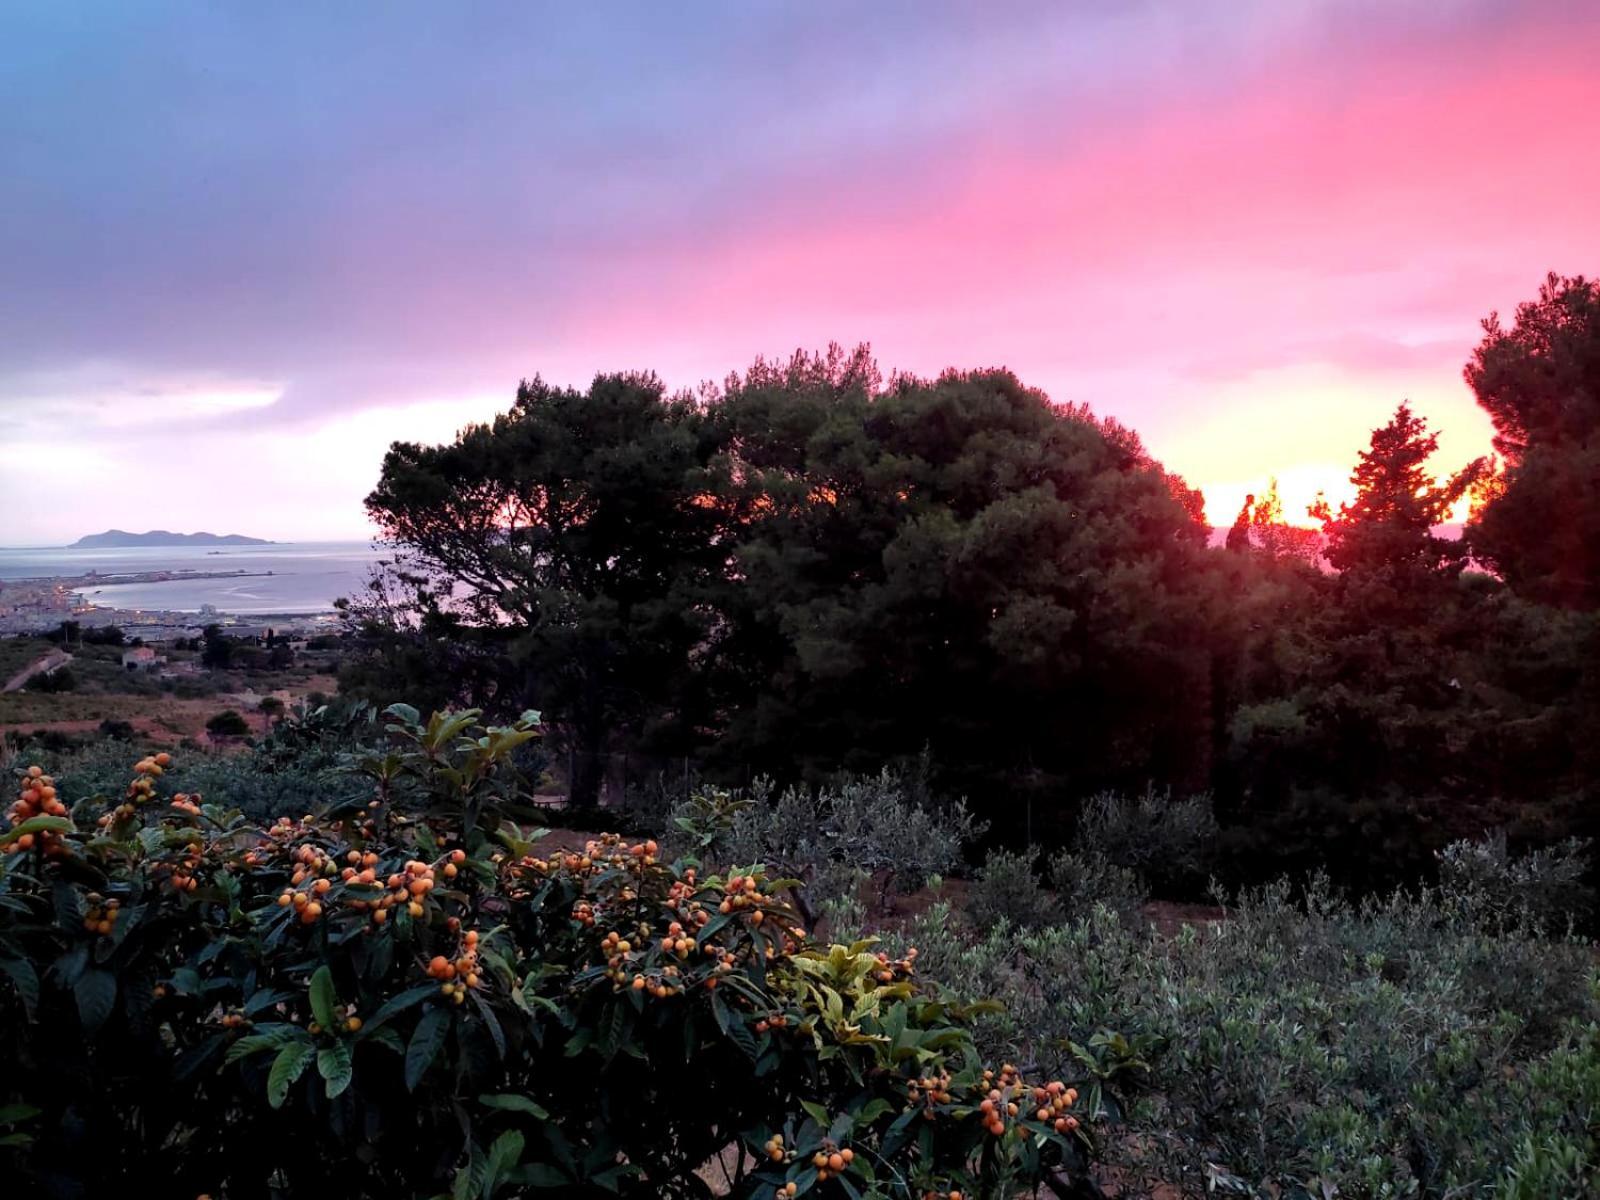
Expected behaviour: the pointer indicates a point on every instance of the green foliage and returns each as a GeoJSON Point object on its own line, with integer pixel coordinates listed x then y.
{"type": "Point", "coordinates": [415, 1001]}
{"type": "Point", "coordinates": [1542, 891]}
{"type": "Point", "coordinates": [883, 828]}
{"type": "Point", "coordinates": [1539, 381]}
{"type": "Point", "coordinates": [1170, 845]}
{"type": "Point", "coordinates": [228, 723]}
{"type": "Point", "coordinates": [1307, 1046]}
{"type": "Point", "coordinates": [1086, 879]}
{"type": "Point", "coordinates": [955, 563]}
{"type": "Point", "coordinates": [564, 550]}
{"type": "Point", "coordinates": [1006, 891]}
{"type": "Point", "coordinates": [59, 680]}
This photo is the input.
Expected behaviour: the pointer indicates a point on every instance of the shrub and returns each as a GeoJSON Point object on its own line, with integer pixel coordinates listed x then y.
{"type": "Point", "coordinates": [1084, 879]}
{"type": "Point", "coordinates": [227, 723]}
{"type": "Point", "coordinates": [1307, 1046]}
{"type": "Point", "coordinates": [1006, 890]}
{"type": "Point", "coordinates": [51, 682]}
{"type": "Point", "coordinates": [1170, 844]}
{"type": "Point", "coordinates": [373, 1002]}
{"type": "Point", "coordinates": [868, 824]}
{"type": "Point", "coordinates": [1543, 891]}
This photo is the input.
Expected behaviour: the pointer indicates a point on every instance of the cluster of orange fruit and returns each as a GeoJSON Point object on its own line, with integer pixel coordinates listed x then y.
{"type": "Point", "coordinates": [830, 1162]}
{"type": "Point", "coordinates": [102, 915]}
{"type": "Point", "coordinates": [1009, 1093]}
{"type": "Point", "coordinates": [668, 983]}
{"type": "Point", "coordinates": [456, 977]}
{"type": "Point", "coordinates": [37, 798]}
{"type": "Point", "coordinates": [141, 791]}
{"type": "Point", "coordinates": [185, 803]}
{"type": "Point", "coordinates": [890, 969]}
{"type": "Point", "coordinates": [310, 883]}
{"type": "Point", "coordinates": [234, 1020]}
{"type": "Point", "coordinates": [180, 873]}
{"type": "Point", "coordinates": [930, 1090]}
{"type": "Point", "coordinates": [347, 1020]}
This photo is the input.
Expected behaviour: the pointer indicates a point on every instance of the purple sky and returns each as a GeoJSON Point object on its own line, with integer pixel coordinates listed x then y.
{"type": "Point", "coordinates": [243, 247]}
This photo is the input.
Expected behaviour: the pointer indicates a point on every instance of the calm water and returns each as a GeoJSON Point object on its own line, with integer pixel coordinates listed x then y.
{"type": "Point", "coordinates": [307, 577]}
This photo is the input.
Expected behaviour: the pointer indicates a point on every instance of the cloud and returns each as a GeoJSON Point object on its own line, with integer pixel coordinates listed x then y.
{"type": "Point", "coordinates": [242, 228]}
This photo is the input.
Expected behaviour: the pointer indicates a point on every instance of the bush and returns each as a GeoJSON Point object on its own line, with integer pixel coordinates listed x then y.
{"type": "Point", "coordinates": [1171, 845]}
{"type": "Point", "coordinates": [52, 682]}
{"type": "Point", "coordinates": [1542, 891]}
{"type": "Point", "coordinates": [1306, 1046]}
{"type": "Point", "coordinates": [1084, 879]}
{"type": "Point", "coordinates": [1006, 891]}
{"type": "Point", "coordinates": [382, 1003]}
{"type": "Point", "coordinates": [228, 723]}
{"type": "Point", "coordinates": [868, 824]}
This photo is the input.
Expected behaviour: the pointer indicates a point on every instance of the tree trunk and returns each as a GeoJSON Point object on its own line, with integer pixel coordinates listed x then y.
{"type": "Point", "coordinates": [587, 770]}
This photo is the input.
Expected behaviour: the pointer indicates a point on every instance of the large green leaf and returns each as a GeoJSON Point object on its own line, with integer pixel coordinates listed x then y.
{"type": "Point", "coordinates": [96, 993]}
{"type": "Point", "coordinates": [335, 1067]}
{"type": "Point", "coordinates": [35, 825]}
{"type": "Point", "coordinates": [398, 1004]}
{"type": "Point", "coordinates": [25, 979]}
{"type": "Point", "coordinates": [511, 1102]}
{"type": "Point", "coordinates": [323, 998]}
{"type": "Point", "coordinates": [425, 1043]}
{"type": "Point", "coordinates": [503, 1156]}
{"type": "Point", "coordinates": [290, 1064]}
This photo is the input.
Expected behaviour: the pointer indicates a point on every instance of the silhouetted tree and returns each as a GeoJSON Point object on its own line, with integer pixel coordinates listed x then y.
{"type": "Point", "coordinates": [1539, 521]}
{"type": "Point", "coordinates": [570, 538]}
{"type": "Point", "coordinates": [958, 563]}
{"type": "Point", "coordinates": [1389, 526]}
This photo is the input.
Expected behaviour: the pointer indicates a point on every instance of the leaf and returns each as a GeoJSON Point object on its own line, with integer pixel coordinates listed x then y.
{"type": "Point", "coordinates": [25, 979]}
{"type": "Point", "coordinates": [290, 1064]}
{"type": "Point", "coordinates": [334, 1065]}
{"type": "Point", "coordinates": [615, 1027]}
{"type": "Point", "coordinates": [96, 993]}
{"type": "Point", "coordinates": [10, 1114]}
{"type": "Point", "coordinates": [732, 1025]}
{"type": "Point", "coordinates": [425, 1042]}
{"type": "Point", "coordinates": [264, 998]}
{"type": "Point", "coordinates": [511, 1102]}
{"type": "Point", "coordinates": [198, 1056]}
{"type": "Point", "coordinates": [492, 1024]}
{"type": "Point", "coordinates": [255, 1043]}
{"type": "Point", "coordinates": [816, 1112]}
{"type": "Point", "coordinates": [404, 713]}
{"type": "Point", "coordinates": [400, 1003]}
{"type": "Point", "coordinates": [323, 998]}
{"type": "Point", "coordinates": [35, 825]}
{"type": "Point", "coordinates": [541, 1175]}
{"type": "Point", "coordinates": [503, 1155]}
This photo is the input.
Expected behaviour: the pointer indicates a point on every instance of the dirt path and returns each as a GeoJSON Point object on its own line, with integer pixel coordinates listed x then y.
{"type": "Point", "coordinates": [40, 666]}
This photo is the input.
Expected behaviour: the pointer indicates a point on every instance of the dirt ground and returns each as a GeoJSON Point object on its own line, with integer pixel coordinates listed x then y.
{"type": "Point", "coordinates": [167, 720]}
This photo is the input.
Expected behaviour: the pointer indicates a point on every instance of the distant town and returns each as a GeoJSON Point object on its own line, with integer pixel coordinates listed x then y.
{"type": "Point", "coordinates": [35, 606]}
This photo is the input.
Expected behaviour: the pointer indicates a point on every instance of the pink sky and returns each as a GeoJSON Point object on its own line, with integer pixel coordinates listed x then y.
{"type": "Point", "coordinates": [1247, 231]}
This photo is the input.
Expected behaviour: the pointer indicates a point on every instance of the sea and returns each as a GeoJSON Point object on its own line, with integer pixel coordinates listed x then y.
{"type": "Point", "coordinates": [288, 577]}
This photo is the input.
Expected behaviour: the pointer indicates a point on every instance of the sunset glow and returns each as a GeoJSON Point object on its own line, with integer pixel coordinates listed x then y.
{"type": "Point", "coordinates": [1245, 230]}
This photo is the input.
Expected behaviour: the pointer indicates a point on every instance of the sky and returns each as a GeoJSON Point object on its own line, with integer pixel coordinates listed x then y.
{"type": "Point", "coordinates": [244, 247]}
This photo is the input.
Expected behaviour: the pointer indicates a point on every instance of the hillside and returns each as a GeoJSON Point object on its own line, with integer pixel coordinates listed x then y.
{"type": "Point", "coordinates": [114, 538]}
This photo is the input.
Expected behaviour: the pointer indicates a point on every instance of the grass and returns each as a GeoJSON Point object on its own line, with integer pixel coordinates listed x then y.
{"type": "Point", "coordinates": [18, 652]}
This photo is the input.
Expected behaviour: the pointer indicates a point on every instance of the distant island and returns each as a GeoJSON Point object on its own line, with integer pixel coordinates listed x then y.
{"type": "Point", "coordinates": [161, 537]}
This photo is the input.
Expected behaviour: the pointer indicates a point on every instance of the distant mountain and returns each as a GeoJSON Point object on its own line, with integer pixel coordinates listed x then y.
{"type": "Point", "coordinates": [160, 537]}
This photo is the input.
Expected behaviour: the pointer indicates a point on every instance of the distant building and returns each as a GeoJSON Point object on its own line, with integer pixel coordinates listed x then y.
{"type": "Point", "coordinates": [142, 658]}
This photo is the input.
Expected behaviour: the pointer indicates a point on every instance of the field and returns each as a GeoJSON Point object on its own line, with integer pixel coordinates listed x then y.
{"type": "Point", "coordinates": [163, 711]}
